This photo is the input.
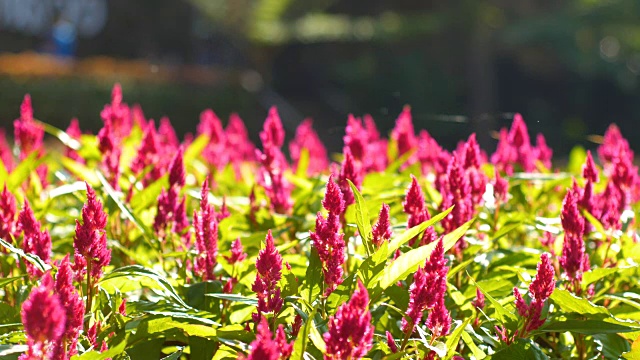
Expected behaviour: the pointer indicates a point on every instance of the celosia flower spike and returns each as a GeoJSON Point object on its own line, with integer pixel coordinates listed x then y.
{"type": "Point", "coordinates": [237, 253]}
{"type": "Point", "coordinates": [265, 347]}
{"type": "Point", "coordinates": [44, 320]}
{"type": "Point", "coordinates": [90, 243]}
{"type": "Point", "coordinates": [382, 229]}
{"type": "Point", "coordinates": [573, 249]}
{"type": "Point", "coordinates": [176, 170]}
{"type": "Point", "coordinates": [269, 266]}
{"type": "Point", "coordinates": [589, 170]}
{"type": "Point", "coordinates": [7, 215]}
{"type": "Point", "coordinates": [307, 138]}
{"type": "Point", "coordinates": [73, 307]}
{"type": "Point", "coordinates": [35, 241]}
{"type": "Point", "coordinates": [350, 170]}
{"type": "Point", "coordinates": [205, 226]}
{"type": "Point", "coordinates": [403, 133]}
{"type": "Point", "coordinates": [350, 333]}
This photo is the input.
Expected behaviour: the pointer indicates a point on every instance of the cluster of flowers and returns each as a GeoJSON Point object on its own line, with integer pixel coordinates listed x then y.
{"type": "Point", "coordinates": [459, 176]}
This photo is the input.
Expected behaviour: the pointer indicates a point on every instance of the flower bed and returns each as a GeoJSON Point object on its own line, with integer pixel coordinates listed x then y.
{"type": "Point", "coordinates": [133, 244]}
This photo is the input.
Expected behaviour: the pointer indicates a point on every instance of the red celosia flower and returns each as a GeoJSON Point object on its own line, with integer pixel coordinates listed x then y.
{"type": "Point", "coordinates": [404, 134]}
{"type": "Point", "coordinates": [210, 125]}
{"type": "Point", "coordinates": [91, 253]}
{"type": "Point", "coordinates": [479, 301]}
{"type": "Point", "coordinates": [265, 347]}
{"type": "Point", "coordinates": [472, 160]}
{"type": "Point", "coordinates": [117, 114]}
{"type": "Point", "coordinates": [35, 241]}
{"type": "Point", "coordinates": [171, 208]}
{"type": "Point", "coordinates": [456, 192]}
{"type": "Point", "coordinates": [7, 215]}
{"type": "Point", "coordinates": [177, 173]}
{"type": "Point", "coordinates": [327, 239]}
{"type": "Point", "coordinates": [109, 146]}
{"type": "Point", "coordinates": [73, 307]}
{"type": "Point", "coordinates": [237, 253]}
{"type": "Point", "coordinates": [428, 287]}
{"type": "Point", "coordinates": [543, 153]}
{"type": "Point", "coordinates": [573, 250]}
{"type": "Point", "coordinates": [122, 309]}
{"type": "Point", "coordinates": [382, 229]}
{"type": "Point", "coordinates": [28, 133]}
{"type": "Point", "coordinates": [433, 158]}
{"type": "Point", "coordinates": [307, 138]}
{"type": "Point", "coordinates": [356, 138]}
{"type": "Point", "coordinates": [391, 343]}
{"type": "Point", "coordinates": [439, 320]}
{"type": "Point", "coordinates": [500, 187]}
{"type": "Point", "coordinates": [589, 169]}
{"type": "Point", "coordinates": [274, 163]}
{"type": "Point", "coordinates": [238, 145]}
{"type": "Point", "coordinates": [514, 148]}
{"type": "Point", "coordinates": [540, 290]}
{"type": "Point", "coordinates": [269, 266]}
{"type": "Point", "coordinates": [149, 155]}
{"type": "Point", "coordinates": [167, 134]}
{"type": "Point", "coordinates": [414, 206]}
{"type": "Point", "coordinates": [205, 224]}
{"type": "Point", "coordinates": [137, 115]}
{"type": "Point", "coordinates": [350, 333]}
{"type": "Point", "coordinates": [6, 156]}
{"type": "Point", "coordinates": [74, 132]}
{"type": "Point", "coordinates": [350, 170]}
{"type": "Point", "coordinates": [44, 320]}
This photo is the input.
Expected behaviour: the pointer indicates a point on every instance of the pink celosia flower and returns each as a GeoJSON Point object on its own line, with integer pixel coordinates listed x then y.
{"type": "Point", "coordinates": [35, 241]}
{"type": "Point", "coordinates": [214, 153]}
{"type": "Point", "coordinates": [514, 148]}
{"type": "Point", "coordinates": [548, 240]}
{"type": "Point", "coordinates": [269, 266]}
{"type": "Point", "coordinates": [44, 320]}
{"type": "Point", "coordinates": [167, 134]}
{"type": "Point", "coordinates": [414, 206]}
{"type": "Point", "coordinates": [177, 174]}
{"type": "Point", "coordinates": [171, 208]}
{"type": "Point", "coordinates": [356, 138]}
{"type": "Point", "coordinates": [479, 301]}
{"type": "Point", "coordinates": [205, 226]}
{"type": "Point", "coordinates": [117, 114]}
{"type": "Point", "coordinates": [237, 253]}
{"type": "Point", "coordinates": [274, 163]}
{"type": "Point", "coordinates": [73, 307]}
{"type": "Point", "coordinates": [543, 153]}
{"type": "Point", "coordinates": [573, 255]}
{"type": "Point", "coordinates": [404, 134]}
{"type": "Point", "coordinates": [609, 209]}
{"type": "Point", "coordinates": [122, 309]}
{"type": "Point", "coordinates": [265, 347]}
{"type": "Point", "coordinates": [456, 192]}
{"type": "Point", "coordinates": [307, 138]}
{"type": "Point", "coordinates": [327, 239]}
{"type": "Point", "coordinates": [433, 158]}
{"type": "Point", "coordinates": [500, 187]}
{"type": "Point", "coordinates": [91, 253]}
{"type": "Point", "coordinates": [109, 146]}
{"type": "Point", "coordinates": [75, 133]}
{"type": "Point", "coordinates": [472, 160]}
{"type": "Point", "coordinates": [382, 229]}
{"type": "Point", "coordinates": [137, 115]}
{"type": "Point", "coordinates": [614, 146]}
{"type": "Point", "coordinates": [428, 287]}
{"type": "Point", "coordinates": [540, 290]}
{"type": "Point", "coordinates": [439, 319]}
{"type": "Point", "coordinates": [6, 156]}
{"type": "Point", "coordinates": [7, 215]}
{"type": "Point", "coordinates": [350, 170]}
{"type": "Point", "coordinates": [589, 169]}
{"type": "Point", "coordinates": [350, 333]}
{"type": "Point", "coordinates": [238, 145]}
{"type": "Point", "coordinates": [391, 343]}
{"type": "Point", "coordinates": [28, 133]}
{"type": "Point", "coordinates": [149, 155]}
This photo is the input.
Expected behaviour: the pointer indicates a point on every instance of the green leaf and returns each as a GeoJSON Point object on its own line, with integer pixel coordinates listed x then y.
{"type": "Point", "coordinates": [300, 345]}
{"type": "Point", "coordinates": [236, 298]}
{"type": "Point", "coordinates": [634, 354]}
{"type": "Point", "coordinates": [396, 242]}
{"type": "Point", "coordinates": [24, 169]}
{"type": "Point", "coordinates": [503, 315]}
{"type": "Point", "coordinates": [570, 303]}
{"type": "Point", "coordinates": [611, 346]}
{"type": "Point", "coordinates": [81, 171]}
{"type": "Point", "coordinates": [6, 281]}
{"type": "Point", "coordinates": [587, 327]}
{"type": "Point", "coordinates": [195, 148]}
{"type": "Point", "coordinates": [316, 337]}
{"type": "Point", "coordinates": [454, 338]}
{"type": "Point", "coordinates": [62, 136]}
{"type": "Point", "coordinates": [137, 270]}
{"type": "Point", "coordinates": [362, 219]}
{"type": "Point", "coordinates": [409, 262]}
{"type": "Point", "coordinates": [175, 356]}
{"type": "Point", "coordinates": [110, 353]}
{"type": "Point", "coordinates": [32, 258]}
{"type": "Point", "coordinates": [149, 195]}
{"type": "Point", "coordinates": [594, 275]}
{"type": "Point", "coordinates": [303, 163]}
{"type": "Point", "coordinates": [523, 349]}
{"type": "Point", "coordinates": [595, 222]}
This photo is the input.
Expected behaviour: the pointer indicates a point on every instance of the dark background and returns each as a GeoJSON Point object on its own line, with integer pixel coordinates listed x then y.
{"type": "Point", "coordinates": [569, 66]}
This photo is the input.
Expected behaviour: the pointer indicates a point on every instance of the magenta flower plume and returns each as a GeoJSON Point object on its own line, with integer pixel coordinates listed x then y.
{"type": "Point", "coordinates": [73, 307]}
{"type": "Point", "coordinates": [237, 141]}
{"type": "Point", "coordinates": [269, 266]}
{"type": "Point", "coordinates": [382, 229]}
{"type": "Point", "coordinates": [44, 320]}
{"type": "Point", "coordinates": [350, 170]}
{"type": "Point", "coordinates": [327, 240]}
{"type": "Point", "coordinates": [472, 160]}
{"type": "Point", "coordinates": [609, 208]}
{"type": "Point", "coordinates": [403, 133]}
{"type": "Point", "coordinates": [7, 215]}
{"type": "Point", "coordinates": [211, 126]}
{"type": "Point", "coordinates": [350, 333]}
{"type": "Point", "coordinates": [91, 253]}
{"type": "Point", "coordinates": [137, 115]}
{"type": "Point", "coordinates": [307, 138]}
{"type": "Point", "coordinates": [172, 212]}
{"type": "Point", "coordinates": [167, 134]}
{"type": "Point", "coordinates": [589, 169]}
{"type": "Point", "coordinates": [414, 206]}
{"type": "Point", "coordinates": [433, 159]}
{"type": "Point", "coordinates": [265, 347]}
{"type": "Point", "coordinates": [28, 133]}
{"type": "Point", "coordinates": [6, 156]}
{"type": "Point", "coordinates": [274, 163]}
{"type": "Point", "coordinates": [149, 154]}
{"type": "Point", "coordinates": [573, 249]}
{"type": "Point", "coordinates": [35, 241]}
{"type": "Point", "coordinates": [356, 138]}
{"type": "Point", "coordinates": [514, 148]}
{"type": "Point", "coordinates": [391, 343]}
{"type": "Point", "coordinates": [205, 225]}
{"type": "Point", "coordinates": [540, 290]}
{"type": "Point", "coordinates": [428, 288]}
{"type": "Point", "coordinates": [109, 146]}
{"type": "Point", "coordinates": [439, 320]}
{"type": "Point", "coordinates": [117, 114]}
{"type": "Point", "coordinates": [543, 153]}
{"type": "Point", "coordinates": [456, 191]}
{"type": "Point", "coordinates": [73, 130]}
{"type": "Point", "coordinates": [177, 173]}
{"type": "Point", "coordinates": [500, 187]}
{"type": "Point", "coordinates": [479, 301]}
{"type": "Point", "coordinates": [237, 253]}
{"type": "Point", "coordinates": [614, 146]}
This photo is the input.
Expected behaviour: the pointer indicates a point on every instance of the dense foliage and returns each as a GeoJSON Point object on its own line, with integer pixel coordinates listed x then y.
{"type": "Point", "coordinates": [132, 244]}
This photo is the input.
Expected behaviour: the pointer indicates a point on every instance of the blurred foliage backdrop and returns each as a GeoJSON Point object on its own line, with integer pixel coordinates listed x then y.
{"type": "Point", "coordinates": [569, 66]}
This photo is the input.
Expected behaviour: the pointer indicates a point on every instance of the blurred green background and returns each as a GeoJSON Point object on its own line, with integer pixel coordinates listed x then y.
{"type": "Point", "coordinates": [569, 66]}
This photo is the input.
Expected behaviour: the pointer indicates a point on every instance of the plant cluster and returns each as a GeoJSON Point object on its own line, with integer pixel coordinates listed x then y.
{"type": "Point", "coordinates": [134, 244]}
